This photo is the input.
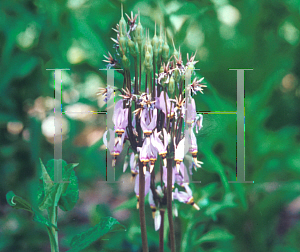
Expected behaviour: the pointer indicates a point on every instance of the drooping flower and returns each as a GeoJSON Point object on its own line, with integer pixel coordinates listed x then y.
{"type": "Point", "coordinates": [155, 212]}
{"type": "Point", "coordinates": [133, 165]}
{"type": "Point", "coordinates": [185, 197]}
{"type": "Point", "coordinates": [145, 153]}
{"type": "Point", "coordinates": [152, 204]}
{"type": "Point", "coordinates": [196, 86]}
{"type": "Point", "coordinates": [160, 146]}
{"type": "Point", "coordinates": [148, 121]}
{"type": "Point", "coordinates": [193, 147]}
{"type": "Point", "coordinates": [162, 102]}
{"type": "Point", "coordinates": [198, 122]}
{"type": "Point", "coordinates": [191, 111]}
{"type": "Point", "coordinates": [107, 92]}
{"type": "Point", "coordinates": [153, 156]}
{"type": "Point", "coordinates": [120, 118]}
{"type": "Point", "coordinates": [181, 177]}
{"type": "Point", "coordinates": [115, 145]}
{"type": "Point", "coordinates": [179, 152]}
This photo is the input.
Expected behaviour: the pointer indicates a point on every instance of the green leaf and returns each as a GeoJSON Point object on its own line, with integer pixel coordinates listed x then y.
{"type": "Point", "coordinates": [70, 191]}
{"type": "Point", "coordinates": [215, 235]}
{"type": "Point", "coordinates": [52, 197]}
{"type": "Point", "coordinates": [41, 219]}
{"type": "Point", "coordinates": [18, 203]}
{"type": "Point", "coordinates": [65, 195]}
{"type": "Point", "coordinates": [48, 183]}
{"type": "Point", "coordinates": [83, 240]}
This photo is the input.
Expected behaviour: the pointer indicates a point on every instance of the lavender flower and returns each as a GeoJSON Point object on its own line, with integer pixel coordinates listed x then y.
{"type": "Point", "coordinates": [185, 197]}
{"type": "Point", "coordinates": [115, 146]}
{"type": "Point", "coordinates": [148, 121]}
{"type": "Point", "coordinates": [106, 92]}
{"type": "Point", "coordinates": [120, 118]}
{"type": "Point", "coordinates": [179, 153]}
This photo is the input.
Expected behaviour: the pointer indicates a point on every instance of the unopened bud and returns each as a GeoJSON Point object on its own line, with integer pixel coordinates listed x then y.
{"type": "Point", "coordinates": [139, 33]}
{"type": "Point", "coordinates": [123, 44]}
{"type": "Point", "coordinates": [148, 62]}
{"type": "Point", "coordinates": [126, 62]}
{"type": "Point", "coordinates": [176, 75]}
{"type": "Point", "coordinates": [132, 48]}
{"type": "Point", "coordinates": [175, 53]}
{"type": "Point", "coordinates": [165, 52]}
{"type": "Point", "coordinates": [122, 24]}
{"type": "Point", "coordinates": [172, 85]}
{"type": "Point", "coordinates": [155, 44]}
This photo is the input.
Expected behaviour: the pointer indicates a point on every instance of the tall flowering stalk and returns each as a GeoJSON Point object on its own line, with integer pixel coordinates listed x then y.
{"type": "Point", "coordinates": [152, 115]}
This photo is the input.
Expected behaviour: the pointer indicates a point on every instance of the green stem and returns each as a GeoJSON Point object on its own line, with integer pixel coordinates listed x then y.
{"type": "Point", "coordinates": [53, 235]}
{"type": "Point", "coordinates": [146, 83]}
{"type": "Point", "coordinates": [154, 71]}
{"type": "Point", "coordinates": [136, 76]}
{"type": "Point", "coordinates": [169, 203]}
{"type": "Point", "coordinates": [140, 76]}
{"type": "Point", "coordinates": [142, 207]}
{"type": "Point", "coordinates": [52, 239]}
{"type": "Point", "coordinates": [149, 85]}
{"type": "Point", "coordinates": [167, 118]}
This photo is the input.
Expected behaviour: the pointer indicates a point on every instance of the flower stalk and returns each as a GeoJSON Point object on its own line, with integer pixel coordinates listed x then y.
{"type": "Point", "coordinates": [141, 202]}
{"type": "Point", "coordinates": [169, 203]}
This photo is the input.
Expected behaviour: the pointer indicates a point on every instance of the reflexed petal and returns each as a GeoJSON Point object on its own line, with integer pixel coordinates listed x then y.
{"type": "Point", "coordinates": [191, 111]}
{"type": "Point", "coordinates": [188, 189]}
{"type": "Point", "coordinates": [179, 150]}
{"type": "Point", "coordinates": [151, 200]}
{"type": "Point", "coordinates": [136, 185]}
{"type": "Point", "coordinates": [104, 138]}
{"type": "Point", "coordinates": [147, 182]}
{"type": "Point", "coordinates": [165, 175]}
{"type": "Point", "coordinates": [125, 163]}
{"type": "Point", "coordinates": [157, 220]}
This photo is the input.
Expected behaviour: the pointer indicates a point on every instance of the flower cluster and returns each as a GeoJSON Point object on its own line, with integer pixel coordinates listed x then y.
{"type": "Point", "coordinates": [156, 115]}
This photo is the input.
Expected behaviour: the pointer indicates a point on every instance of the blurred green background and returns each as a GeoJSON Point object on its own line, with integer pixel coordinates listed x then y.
{"type": "Point", "coordinates": [263, 35]}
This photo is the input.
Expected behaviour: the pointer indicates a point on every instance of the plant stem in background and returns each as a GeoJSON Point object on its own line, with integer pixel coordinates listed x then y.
{"type": "Point", "coordinates": [169, 203]}
{"type": "Point", "coordinates": [140, 65]}
{"type": "Point", "coordinates": [142, 207]}
{"type": "Point", "coordinates": [53, 235]}
{"type": "Point", "coordinates": [161, 231]}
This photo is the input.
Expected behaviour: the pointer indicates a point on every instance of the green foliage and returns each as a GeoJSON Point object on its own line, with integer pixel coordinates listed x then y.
{"type": "Point", "coordinates": [83, 240]}
{"type": "Point", "coordinates": [215, 235]}
{"type": "Point", "coordinates": [18, 203]}
{"type": "Point", "coordinates": [64, 194]}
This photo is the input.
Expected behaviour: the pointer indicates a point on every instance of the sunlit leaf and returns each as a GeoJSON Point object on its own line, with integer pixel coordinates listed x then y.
{"type": "Point", "coordinates": [215, 235]}
{"type": "Point", "coordinates": [83, 240]}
